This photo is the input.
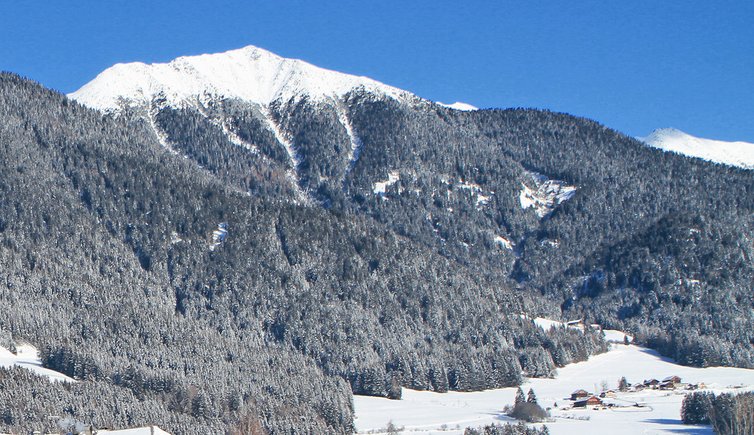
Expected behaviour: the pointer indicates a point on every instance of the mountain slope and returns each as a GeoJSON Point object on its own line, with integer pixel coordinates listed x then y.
{"type": "Point", "coordinates": [544, 202]}
{"type": "Point", "coordinates": [114, 269]}
{"type": "Point", "coordinates": [739, 154]}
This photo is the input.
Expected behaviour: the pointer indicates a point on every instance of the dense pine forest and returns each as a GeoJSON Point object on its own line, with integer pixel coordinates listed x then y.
{"type": "Point", "coordinates": [325, 285]}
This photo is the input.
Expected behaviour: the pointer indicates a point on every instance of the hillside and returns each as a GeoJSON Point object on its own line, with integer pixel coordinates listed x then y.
{"type": "Point", "coordinates": [114, 270]}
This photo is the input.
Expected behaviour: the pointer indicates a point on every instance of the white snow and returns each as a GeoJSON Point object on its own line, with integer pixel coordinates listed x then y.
{"type": "Point", "coordinates": [26, 356]}
{"type": "Point", "coordinates": [149, 430]}
{"type": "Point", "coordinates": [423, 412]}
{"type": "Point", "coordinates": [356, 144]}
{"type": "Point", "coordinates": [615, 336]}
{"type": "Point", "coordinates": [282, 138]}
{"type": "Point", "coordinates": [234, 138]}
{"type": "Point", "coordinates": [459, 106]}
{"type": "Point", "coordinates": [469, 186]}
{"type": "Point", "coordinates": [548, 324]}
{"type": "Point", "coordinates": [218, 236]}
{"type": "Point", "coordinates": [250, 74]}
{"type": "Point", "coordinates": [503, 242]}
{"type": "Point", "coordinates": [380, 187]}
{"type": "Point", "coordinates": [162, 138]}
{"type": "Point", "coordinates": [739, 154]}
{"type": "Point", "coordinates": [611, 335]}
{"type": "Point", "coordinates": [293, 157]}
{"type": "Point", "coordinates": [545, 195]}
{"type": "Point", "coordinates": [482, 198]}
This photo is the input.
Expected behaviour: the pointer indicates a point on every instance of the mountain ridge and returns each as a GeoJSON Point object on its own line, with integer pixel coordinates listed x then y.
{"type": "Point", "coordinates": [250, 74]}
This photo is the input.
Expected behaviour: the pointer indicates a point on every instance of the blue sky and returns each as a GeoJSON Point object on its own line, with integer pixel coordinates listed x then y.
{"type": "Point", "coordinates": [632, 65]}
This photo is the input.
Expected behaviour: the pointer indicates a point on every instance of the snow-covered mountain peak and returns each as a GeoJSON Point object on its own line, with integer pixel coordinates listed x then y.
{"type": "Point", "coordinates": [251, 74]}
{"type": "Point", "coordinates": [739, 154]}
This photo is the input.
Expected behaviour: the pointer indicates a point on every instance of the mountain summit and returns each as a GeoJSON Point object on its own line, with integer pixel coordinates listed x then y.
{"type": "Point", "coordinates": [250, 74]}
{"type": "Point", "coordinates": [739, 154]}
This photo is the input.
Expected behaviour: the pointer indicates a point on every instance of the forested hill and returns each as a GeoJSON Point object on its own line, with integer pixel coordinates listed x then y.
{"type": "Point", "coordinates": [600, 224]}
{"type": "Point", "coordinates": [180, 300]}
{"type": "Point", "coordinates": [217, 261]}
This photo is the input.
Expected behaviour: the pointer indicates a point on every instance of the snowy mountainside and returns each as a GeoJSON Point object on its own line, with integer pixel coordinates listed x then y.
{"type": "Point", "coordinates": [250, 74]}
{"type": "Point", "coordinates": [275, 127]}
{"type": "Point", "coordinates": [737, 153]}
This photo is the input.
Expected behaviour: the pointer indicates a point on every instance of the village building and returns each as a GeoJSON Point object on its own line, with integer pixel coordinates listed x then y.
{"type": "Point", "coordinates": [590, 401]}
{"type": "Point", "coordinates": [579, 394]}
{"type": "Point", "coordinates": [671, 383]}
{"type": "Point", "coordinates": [667, 386]}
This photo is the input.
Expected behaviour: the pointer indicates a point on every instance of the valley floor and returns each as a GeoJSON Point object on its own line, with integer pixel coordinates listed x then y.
{"type": "Point", "coordinates": [422, 412]}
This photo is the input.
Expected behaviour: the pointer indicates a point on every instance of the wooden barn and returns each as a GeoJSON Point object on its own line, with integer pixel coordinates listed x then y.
{"type": "Point", "coordinates": [589, 401]}
{"type": "Point", "coordinates": [579, 394]}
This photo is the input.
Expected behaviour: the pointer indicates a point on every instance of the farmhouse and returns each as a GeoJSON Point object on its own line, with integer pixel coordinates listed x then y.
{"type": "Point", "coordinates": [590, 401]}
{"type": "Point", "coordinates": [579, 394]}
{"type": "Point", "coordinates": [673, 379]}
{"type": "Point", "coordinates": [671, 383]}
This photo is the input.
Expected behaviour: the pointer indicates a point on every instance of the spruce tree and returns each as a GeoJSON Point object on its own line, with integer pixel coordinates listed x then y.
{"type": "Point", "coordinates": [531, 397]}
{"type": "Point", "coordinates": [520, 398]}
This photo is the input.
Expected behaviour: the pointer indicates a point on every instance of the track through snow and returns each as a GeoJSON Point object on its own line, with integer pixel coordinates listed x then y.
{"type": "Point", "coordinates": [423, 412]}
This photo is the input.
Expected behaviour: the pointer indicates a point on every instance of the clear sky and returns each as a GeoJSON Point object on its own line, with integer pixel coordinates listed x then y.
{"type": "Point", "coordinates": [633, 65]}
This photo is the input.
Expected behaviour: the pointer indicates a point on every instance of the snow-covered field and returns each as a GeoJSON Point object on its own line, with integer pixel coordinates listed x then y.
{"type": "Point", "coordinates": [26, 356]}
{"type": "Point", "coordinates": [421, 412]}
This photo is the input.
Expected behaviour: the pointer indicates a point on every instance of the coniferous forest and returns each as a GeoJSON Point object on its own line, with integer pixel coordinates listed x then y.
{"type": "Point", "coordinates": [323, 285]}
